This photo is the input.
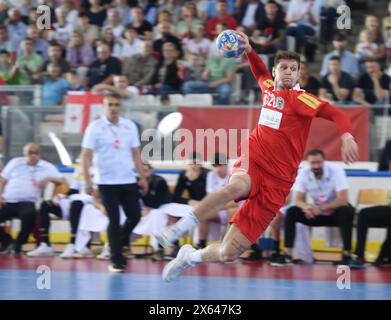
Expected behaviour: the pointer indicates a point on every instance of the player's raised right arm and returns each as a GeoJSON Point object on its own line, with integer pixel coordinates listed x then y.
{"type": "Point", "coordinates": [258, 67]}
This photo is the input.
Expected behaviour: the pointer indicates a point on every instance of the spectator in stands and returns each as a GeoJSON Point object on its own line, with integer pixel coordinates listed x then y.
{"type": "Point", "coordinates": [40, 46]}
{"type": "Point", "coordinates": [3, 11]}
{"type": "Point", "coordinates": [96, 13]}
{"type": "Point", "coordinates": [114, 22]}
{"type": "Point", "coordinates": [251, 14]}
{"type": "Point", "coordinates": [164, 16]}
{"type": "Point", "coordinates": [188, 23]}
{"type": "Point", "coordinates": [175, 9]}
{"type": "Point", "coordinates": [212, 8]}
{"type": "Point", "coordinates": [8, 43]}
{"type": "Point", "coordinates": [62, 29]}
{"type": "Point", "coordinates": [385, 158]}
{"type": "Point", "coordinates": [121, 87]}
{"type": "Point", "coordinates": [124, 10]}
{"type": "Point", "coordinates": [372, 217]}
{"type": "Point", "coordinates": [89, 31]}
{"type": "Point", "coordinates": [303, 19]}
{"type": "Point", "coordinates": [16, 27]}
{"type": "Point", "coordinates": [56, 56]}
{"type": "Point", "coordinates": [166, 78]}
{"type": "Point", "coordinates": [327, 186]}
{"type": "Point", "coordinates": [150, 10]}
{"type": "Point", "coordinates": [387, 37]}
{"type": "Point", "coordinates": [192, 68]}
{"type": "Point", "coordinates": [372, 25]}
{"type": "Point", "coordinates": [349, 63]}
{"type": "Point", "coordinates": [387, 20]}
{"type": "Point", "coordinates": [166, 36]}
{"type": "Point", "coordinates": [54, 86]}
{"type": "Point", "coordinates": [74, 81]}
{"type": "Point", "coordinates": [373, 86]}
{"type": "Point", "coordinates": [368, 48]}
{"type": "Point", "coordinates": [217, 78]}
{"type": "Point", "coordinates": [328, 13]}
{"type": "Point", "coordinates": [104, 68]}
{"type": "Point", "coordinates": [109, 39]}
{"type": "Point", "coordinates": [6, 66]}
{"type": "Point", "coordinates": [222, 17]}
{"type": "Point", "coordinates": [337, 86]}
{"type": "Point", "coordinates": [143, 27]}
{"type": "Point", "coordinates": [70, 7]}
{"type": "Point", "coordinates": [80, 55]}
{"type": "Point", "coordinates": [269, 35]}
{"type": "Point", "coordinates": [199, 43]}
{"type": "Point", "coordinates": [22, 182]}
{"type": "Point", "coordinates": [28, 64]}
{"type": "Point", "coordinates": [131, 44]}
{"type": "Point", "coordinates": [307, 81]}
{"type": "Point", "coordinates": [140, 68]}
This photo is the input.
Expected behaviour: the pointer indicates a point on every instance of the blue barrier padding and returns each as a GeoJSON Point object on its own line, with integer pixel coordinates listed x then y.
{"type": "Point", "coordinates": [349, 173]}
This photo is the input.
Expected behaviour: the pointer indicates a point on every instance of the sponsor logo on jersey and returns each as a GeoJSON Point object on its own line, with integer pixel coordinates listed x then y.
{"type": "Point", "coordinates": [280, 103]}
{"type": "Point", "coordinates": [268, 83]}
{"type": "Point", "coordinates": [309, 100]}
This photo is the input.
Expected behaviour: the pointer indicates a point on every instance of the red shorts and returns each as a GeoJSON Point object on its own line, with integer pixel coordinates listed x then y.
{"type": "Point", "coordinates": [266, 197]}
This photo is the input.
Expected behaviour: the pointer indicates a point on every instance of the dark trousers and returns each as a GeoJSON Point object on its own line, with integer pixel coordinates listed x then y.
{"type": "Point", "coordinates": [374, 217]}
{"type": "Point", "coordinates": [48, 207]}
{"type": "Point", "coordinates": [127, 196]}
{"type": "Point", "coordinates": [26, 212]}
{"type": "Point", "coordinates": [342, 217]}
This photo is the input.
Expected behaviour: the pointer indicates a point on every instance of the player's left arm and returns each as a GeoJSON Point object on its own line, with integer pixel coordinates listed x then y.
{"type": "Point", "coordinates": [349, 148]}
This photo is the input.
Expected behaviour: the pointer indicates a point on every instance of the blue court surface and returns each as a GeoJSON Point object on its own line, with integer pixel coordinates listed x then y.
{"type": "Point", "coordinates": [88, 279]}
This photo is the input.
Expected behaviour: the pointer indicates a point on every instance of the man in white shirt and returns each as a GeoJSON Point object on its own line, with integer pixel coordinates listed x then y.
{"type": "Point", "coordinates": [327, 185]}
{"type": "Point", "coordinates": [21, 184]}
{"type": "Point", "coordinates": [114, 141]}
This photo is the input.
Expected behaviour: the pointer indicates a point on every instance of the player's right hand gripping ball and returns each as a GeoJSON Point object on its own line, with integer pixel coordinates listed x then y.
{"type": "Point", "coordinates": [228, 43]}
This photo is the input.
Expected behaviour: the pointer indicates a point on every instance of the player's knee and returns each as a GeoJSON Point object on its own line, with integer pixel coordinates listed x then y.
{"type": "Point", "coordinates": [228, 254]}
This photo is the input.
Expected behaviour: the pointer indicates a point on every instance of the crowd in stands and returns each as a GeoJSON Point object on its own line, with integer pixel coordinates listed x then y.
{"type": "Point", "coordinates": [167, 46]}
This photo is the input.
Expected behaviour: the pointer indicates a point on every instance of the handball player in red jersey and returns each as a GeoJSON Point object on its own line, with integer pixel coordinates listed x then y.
{"type": "Point", "coordinates": [267, 167]}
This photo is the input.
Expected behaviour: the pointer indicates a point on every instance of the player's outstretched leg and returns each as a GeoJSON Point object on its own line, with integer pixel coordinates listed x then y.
{"type": "Point", "coordinates": [233, 245]}
{"type": "Point", "coordinates": [238, 187]}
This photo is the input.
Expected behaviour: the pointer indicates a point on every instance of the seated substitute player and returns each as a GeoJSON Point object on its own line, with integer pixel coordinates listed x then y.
{"type": "Point", "coordinates": [267, 167]}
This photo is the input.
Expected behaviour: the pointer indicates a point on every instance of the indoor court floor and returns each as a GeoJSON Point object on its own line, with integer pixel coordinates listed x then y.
{"type": "Point", "coordinates": [89, 279]}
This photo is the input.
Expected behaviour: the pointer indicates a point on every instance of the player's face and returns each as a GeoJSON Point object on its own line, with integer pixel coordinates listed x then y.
{"type": "Point", "coordinates": [316, 164]}
{"type": "Point", "coordinates": [286, 74]}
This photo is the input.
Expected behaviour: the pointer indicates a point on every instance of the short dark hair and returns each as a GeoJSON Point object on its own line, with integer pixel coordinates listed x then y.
{"type": "Point", "coordinates": [336, 58]}
{"type": "Point", "coordinates": [146, 163]}
{"type": "Point", "coordinates": [4, 52]}
{"type": "Point", "coordinates": [315, 152]}
{"type": "Point", "coordinates": [111, 94]}
{"type": "Point", "coordinates": [3, 27]}
{"type": "Point", "coordinates": [55, 44]}
{"type": "Point", "coordinates": [286, 55]}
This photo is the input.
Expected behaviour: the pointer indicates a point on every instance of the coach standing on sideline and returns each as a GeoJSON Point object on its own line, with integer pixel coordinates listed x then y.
{"type": "Point", "coordinates": [115, 142]}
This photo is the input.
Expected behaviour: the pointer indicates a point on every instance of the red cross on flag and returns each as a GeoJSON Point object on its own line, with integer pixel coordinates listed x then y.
{"type": "Point", "coordinates": [81, 109]}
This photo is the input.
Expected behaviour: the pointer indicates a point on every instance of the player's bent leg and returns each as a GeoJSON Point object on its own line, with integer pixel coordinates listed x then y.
{"type": "Point", "coordinates": [233, 245]}
{"type": "Point", "coordinates": [238, 187]}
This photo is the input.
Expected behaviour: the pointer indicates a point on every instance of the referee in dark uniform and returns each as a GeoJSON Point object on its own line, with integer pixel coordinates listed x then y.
{"type": "Point", "coordinates": [114, 141]}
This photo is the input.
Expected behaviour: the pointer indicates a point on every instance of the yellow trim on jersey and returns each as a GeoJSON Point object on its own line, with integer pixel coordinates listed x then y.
{"type": "Point", "coordinates": [268, 83]}
{"type": "Point", "coordinates": [309, 101]}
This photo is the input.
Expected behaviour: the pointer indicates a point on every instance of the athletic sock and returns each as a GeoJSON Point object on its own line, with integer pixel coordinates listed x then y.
{"type": "Point", "coordinates": [196, 256]}
{"type": "Point", "coordinates": [44, 237]}
{"type": "Point", "coordinates": [187, 223]}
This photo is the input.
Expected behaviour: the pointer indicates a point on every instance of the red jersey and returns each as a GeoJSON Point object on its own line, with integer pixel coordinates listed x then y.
{"type": "Point", "coordinates": [277, 144]}
{"type": "Point", "coordinates": [212, 23]}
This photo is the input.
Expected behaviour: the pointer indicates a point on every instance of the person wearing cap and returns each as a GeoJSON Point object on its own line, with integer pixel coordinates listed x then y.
{"type": "Point", "coordinates": [114, 142]}
{"type": "Point", "coordinates": [349, 63]}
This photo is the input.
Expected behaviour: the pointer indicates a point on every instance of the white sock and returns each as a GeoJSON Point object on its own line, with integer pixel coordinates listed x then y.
{"type": "Point", "coordinates": [196, 256]}
{"type": "Point", "coordinates": [187, 223]}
